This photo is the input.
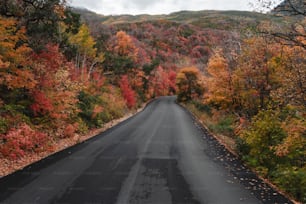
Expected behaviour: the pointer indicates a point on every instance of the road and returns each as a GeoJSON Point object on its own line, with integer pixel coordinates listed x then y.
{"type": "Point", "coordinates": [161, 155]}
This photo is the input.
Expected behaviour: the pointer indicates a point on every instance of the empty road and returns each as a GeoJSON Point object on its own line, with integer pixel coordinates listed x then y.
{"type": "Point", "coordinates": [159, 156]}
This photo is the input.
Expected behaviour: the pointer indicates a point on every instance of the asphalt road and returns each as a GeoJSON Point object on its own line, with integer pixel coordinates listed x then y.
{"type": "Point", "coordinates": [161, 155]}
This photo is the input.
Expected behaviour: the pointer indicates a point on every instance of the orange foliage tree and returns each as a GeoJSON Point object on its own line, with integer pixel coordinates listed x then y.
{"type": "Point", "coordinates": [257, 75]}
{"type": "Point", "coordinates": [219, 82]}
{"type": "Point", "coordinates": [14, 56]}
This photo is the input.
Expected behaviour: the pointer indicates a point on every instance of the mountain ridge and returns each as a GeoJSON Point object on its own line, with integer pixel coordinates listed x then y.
{"type": "Point", "coordinates": [223, 20]}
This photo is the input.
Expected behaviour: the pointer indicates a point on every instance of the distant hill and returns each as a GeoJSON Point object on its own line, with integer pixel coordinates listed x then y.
{"type": "Point", "coordinates": [224, 20]}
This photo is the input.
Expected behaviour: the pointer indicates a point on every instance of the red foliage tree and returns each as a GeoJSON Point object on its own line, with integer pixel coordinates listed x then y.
{"type": "Point", "coordinates": [55, 95]}
{"type": "Point", "coordinates": [127, 92]}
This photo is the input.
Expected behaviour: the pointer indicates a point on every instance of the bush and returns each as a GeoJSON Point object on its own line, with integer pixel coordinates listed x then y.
{"type": "Point", "coordinates": [70, 130]}
{"type": "Point", "coordinates": [202, 107]}
{"type": "Point", "coordinates": [19, 141]}
{"type": "Point", "coordinates": [82, 126]}
{"type": "Point", "coordinates": [263, 136]}
{"type": "Point", "coordinates": [87, 104]}
{"type": "Point", "coordinates": [242, 147]}
{"type": "Point", "coordinates": [3, 125]}
{"type": "Point", "coordinates": [224, 126]}
{"type": "Point", "coordinates": [292, 180]}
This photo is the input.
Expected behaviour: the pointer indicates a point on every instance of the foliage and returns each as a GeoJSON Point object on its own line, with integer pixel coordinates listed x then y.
{"type": "Point", "coordinates": [121, 53]}
{"type": "Point", "coordinates": [224, 126]}
{"type": "Point", "coordinates": [257, 76]}
{"type": "Point", "coordinates": [14, 69]}
{"type": "Point", "coordinates": [219, 82]}
{"type": "Point", "coordinates": [263, 136]}
{"type": "Point", "coordinates": [41, 18]}
{"type": "Point", "coordinates": [21, 140]}
{"type": "Point", "coordinates": [55, 95]}
{"type": "Point", "coordinates": [202, 106]}
{"type": "Point", "coordinates": [188, 83]}
{"type": "Point", "coordinates": [89, 113]}
{"type": "Point", "coordinates": [86, 56]}
{"type": "Point", "coordinates": [293, 180]}
{"type": "Point", "coordinates": [127, 92]}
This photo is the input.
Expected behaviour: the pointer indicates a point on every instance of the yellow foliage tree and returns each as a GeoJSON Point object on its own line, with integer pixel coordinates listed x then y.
{"type": "Point", "coordinates": [219, 82]}
{"type": "Point", "coordinates": [87, 56]}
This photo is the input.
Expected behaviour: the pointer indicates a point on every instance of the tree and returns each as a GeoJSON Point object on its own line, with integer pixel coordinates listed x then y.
{"type": "Point", "coordinates": [293, 78]}
{"type": "Point", "coordinates": [122, 54]}
{"type": "Point", "coordinates": [125, 46]}
{"type": "Point", "coordinates": [257, 75]}
{"type": "Point", "coordinates": [41, 18]}
{"type": "Point", "coordinates": [295, 33]}
{"type": "Point", "coordinates": [127, 92]}
{"type": "Point", "coordinates": [87, 56]}
{"type": "Point", "coordinates": [219, 82]}
{"type": "Point", "coordinates": [55, 95]}
{"type": "Point", "coordinates": [14, 52]}
{"type": "Point", "coordinates": [290, 7]}
{"type": "Point", "coordinates": [188, 83]}
{"type": "Point", "coordinates": [263, 136]}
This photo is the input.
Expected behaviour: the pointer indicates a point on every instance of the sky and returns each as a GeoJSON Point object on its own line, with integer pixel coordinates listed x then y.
{"type": "Point", "coordinates": [134, 7]}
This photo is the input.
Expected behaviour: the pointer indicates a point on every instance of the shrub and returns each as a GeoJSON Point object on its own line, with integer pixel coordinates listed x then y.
{"type": "Point", "coordinates": [263, 136]}
{"type": "Point", "coordinates": [292, 180]}
{"type": "Point", "coordinates": [224, 126]}
{"type": "Point", "coordinates": [201, 106]}
{"type": "Point", "coordinates": [3, 125]}
{"type": "Point", "coordinates": [70, 130]}
{"type": "Point", "coordinates": [19, 141]}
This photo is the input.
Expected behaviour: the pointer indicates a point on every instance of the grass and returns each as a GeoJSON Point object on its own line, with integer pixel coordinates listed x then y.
{"type": "Point", "coordinates": [221, 127]}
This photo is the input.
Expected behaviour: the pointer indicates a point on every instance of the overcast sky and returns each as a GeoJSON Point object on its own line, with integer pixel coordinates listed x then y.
{"type": "Point", "coordinates": [108, 7]}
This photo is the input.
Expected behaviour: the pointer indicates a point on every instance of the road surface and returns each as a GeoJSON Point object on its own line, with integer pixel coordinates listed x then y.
{"type": "Point", "coordinates": [160, 156]}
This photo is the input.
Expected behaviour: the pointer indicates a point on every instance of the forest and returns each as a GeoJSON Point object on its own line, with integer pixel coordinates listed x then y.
{"type": "Point", "coordinates": [64, 73]}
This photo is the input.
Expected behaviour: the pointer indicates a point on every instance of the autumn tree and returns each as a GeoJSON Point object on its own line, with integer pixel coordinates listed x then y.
{"type": "Point", "coordinates": [122, 54]}
{"type": "Point", "coordinates": [41, 18]}
{"type": "Point", "coordinates": [293, 34]}
{"type": "Point", "coordinates": [127, 92]}
{"type": "Point", "coordinates": [219, 82]}
{"type": "Point", "coordinates": [16, 76]}
{"type": "Point", "coordinates": [55, 95]}
{"type": "Point", "coordinates": [189, 84]}
{"type": "Point", "coordinates": [86, 57]}
{"type": "Point", "coordinates": [257, 75]}
{"type": "Point", "coordinates": [264, 135]}
{"type": "Point", "coordinates": [293, 78]}
{"type": "Point", "coordinates": [14, 52]}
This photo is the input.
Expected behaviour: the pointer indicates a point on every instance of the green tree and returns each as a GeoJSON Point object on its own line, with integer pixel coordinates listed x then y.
{"type": "Point", "coordinates": [41, 18]}
{"type": "Point", "coordinates": [263, 136]}
{"type": "Point", "coordinates": [188, 83]}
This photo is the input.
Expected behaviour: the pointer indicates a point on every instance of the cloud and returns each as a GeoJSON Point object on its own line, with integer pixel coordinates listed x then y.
{"type": "Point", "coordinates": [108, 7]}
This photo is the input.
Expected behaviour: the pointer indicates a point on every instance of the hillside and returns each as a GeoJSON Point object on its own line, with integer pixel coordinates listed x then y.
{"type": "Point", "coordinates": [224, 20]}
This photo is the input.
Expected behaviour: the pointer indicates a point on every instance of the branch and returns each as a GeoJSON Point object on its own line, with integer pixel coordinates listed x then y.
{"type": "Point", "coordinates": [296, 10]}
{"type": "Point", "coordinates": [291, 38]}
